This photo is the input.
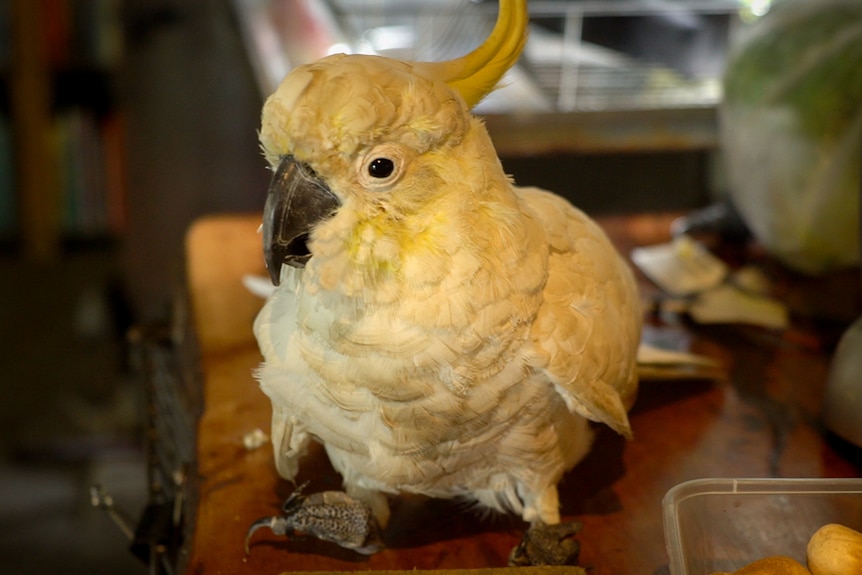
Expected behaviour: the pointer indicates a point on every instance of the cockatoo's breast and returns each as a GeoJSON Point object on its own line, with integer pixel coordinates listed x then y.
{"type": "Point", "coordinates": [411, 383]}
{"type": "Point", "coordinates": [415, 413]}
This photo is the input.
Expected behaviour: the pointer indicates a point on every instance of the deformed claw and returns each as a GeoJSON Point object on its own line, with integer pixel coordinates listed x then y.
{"type": "Point", "coordinates": [544, 544]}
{"type": "Point", "coordinates": [331, 516]}
{"type": "Point", "coordinates": [279, 526]}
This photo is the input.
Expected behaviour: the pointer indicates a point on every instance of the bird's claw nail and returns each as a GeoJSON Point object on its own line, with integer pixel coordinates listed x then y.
{"type": "Point", "coordinates": [274, 523]}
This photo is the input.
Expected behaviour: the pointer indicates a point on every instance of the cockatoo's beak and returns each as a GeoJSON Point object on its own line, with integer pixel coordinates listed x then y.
{"type": "Point", "coordinates": [297, 200]}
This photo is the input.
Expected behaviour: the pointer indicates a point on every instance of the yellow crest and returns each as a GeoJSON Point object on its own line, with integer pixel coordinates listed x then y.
{"type": "Point", "coordinates": [477, 73]}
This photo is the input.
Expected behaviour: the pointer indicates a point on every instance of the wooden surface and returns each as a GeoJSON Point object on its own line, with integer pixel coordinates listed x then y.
{"type": "Point", "coordinates": [761, 420]}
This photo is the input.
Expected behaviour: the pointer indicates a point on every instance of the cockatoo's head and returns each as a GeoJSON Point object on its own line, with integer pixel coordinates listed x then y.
{"type": "Point", "coordinates": [369, 131]}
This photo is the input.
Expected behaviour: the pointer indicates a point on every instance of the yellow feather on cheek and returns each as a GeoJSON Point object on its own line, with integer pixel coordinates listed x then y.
{"type": "Point", "coordinates": [391, 224]}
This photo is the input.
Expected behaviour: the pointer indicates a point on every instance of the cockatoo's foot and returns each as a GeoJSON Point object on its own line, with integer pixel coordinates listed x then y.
{"type": "Point", "coordinates": [329, 515]}
{"type": "Point", "coordinates": [545, 544]}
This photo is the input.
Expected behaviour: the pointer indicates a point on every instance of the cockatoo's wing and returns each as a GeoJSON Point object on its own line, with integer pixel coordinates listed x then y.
{"type": "Point", "coordinates": [588, 326]}
{"type": "Point", "coordinates": [274, 328]}
{"type": "Point", "coordinates": [290, 441]}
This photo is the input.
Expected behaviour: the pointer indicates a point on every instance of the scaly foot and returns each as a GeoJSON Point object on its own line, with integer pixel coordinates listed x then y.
{"type": "Point", "coordinates": [329, 515]}
{"type": "Point", "coordinates": [544, 544]}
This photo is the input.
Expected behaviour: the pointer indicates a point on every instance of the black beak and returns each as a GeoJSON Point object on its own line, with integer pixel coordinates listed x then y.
{"type": "Point", "coordinates": [297, 201]}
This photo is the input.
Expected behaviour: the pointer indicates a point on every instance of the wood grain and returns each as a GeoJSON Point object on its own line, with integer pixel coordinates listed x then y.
{"type": "Point", "coordinates": [759, 421]}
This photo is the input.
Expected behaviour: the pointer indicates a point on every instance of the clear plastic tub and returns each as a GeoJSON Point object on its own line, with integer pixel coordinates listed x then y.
{"type": "Point", "coordinates": [721, 525]}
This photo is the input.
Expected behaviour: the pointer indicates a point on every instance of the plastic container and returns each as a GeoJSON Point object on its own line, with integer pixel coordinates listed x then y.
{"type": "Point", "coordinates": [715, 525]}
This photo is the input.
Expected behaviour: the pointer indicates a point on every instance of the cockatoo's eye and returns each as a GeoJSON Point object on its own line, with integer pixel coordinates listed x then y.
{"type": "Point", "coordinates": [382, 166]}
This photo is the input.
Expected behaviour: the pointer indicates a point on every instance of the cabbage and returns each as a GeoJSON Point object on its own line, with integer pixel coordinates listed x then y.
{"type": "Point", "coordinates": [791, 131]}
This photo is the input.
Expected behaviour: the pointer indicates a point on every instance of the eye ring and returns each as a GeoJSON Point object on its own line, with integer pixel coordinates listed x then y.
{"type": "Point", "coordinates": [382, 166]}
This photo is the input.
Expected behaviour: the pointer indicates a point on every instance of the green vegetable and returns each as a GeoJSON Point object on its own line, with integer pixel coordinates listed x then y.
{"type": "Point", "coordinates": [791, 130]}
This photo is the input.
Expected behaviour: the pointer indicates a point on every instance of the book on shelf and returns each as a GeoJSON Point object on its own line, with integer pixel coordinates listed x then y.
{"type": "Point", "coordinates": [5, 34]}
{"type": "Point", "coordinates": [90, 156]}
{"type": "Point", "coordinates": [82, 33]}
{"type": "Point", "coordinates": [8, 199]}
{"type": "Point", "coordinates": [79, 47]}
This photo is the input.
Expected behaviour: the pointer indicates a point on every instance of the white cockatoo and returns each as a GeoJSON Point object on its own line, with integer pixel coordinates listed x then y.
{"type": "Point", "coordinates": [437, 329]}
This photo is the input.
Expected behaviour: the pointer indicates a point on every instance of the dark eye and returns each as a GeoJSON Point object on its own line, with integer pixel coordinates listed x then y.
{"type": "Point", "coordinates": [381, 168]}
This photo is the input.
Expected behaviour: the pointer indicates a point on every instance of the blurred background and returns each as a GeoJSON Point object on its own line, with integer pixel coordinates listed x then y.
{"type": "Point", "coordinates": [121, 121]}
{"type": "Point", "coordinates": [149, 110]}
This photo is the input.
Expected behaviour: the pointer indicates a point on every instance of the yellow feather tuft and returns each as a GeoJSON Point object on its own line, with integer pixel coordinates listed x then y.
{"type": "Point", "coordinates": [477, 73]}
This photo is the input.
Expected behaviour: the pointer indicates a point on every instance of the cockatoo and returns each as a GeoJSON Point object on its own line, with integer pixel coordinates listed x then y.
{"type": "Point", "coordinates": [437, 329]}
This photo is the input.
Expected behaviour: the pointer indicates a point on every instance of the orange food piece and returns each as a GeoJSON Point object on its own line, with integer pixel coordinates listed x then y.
{"type": "Point", "coordinates": [774, 565]}
{"type": "Point", "coordinates": [835, 550]}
